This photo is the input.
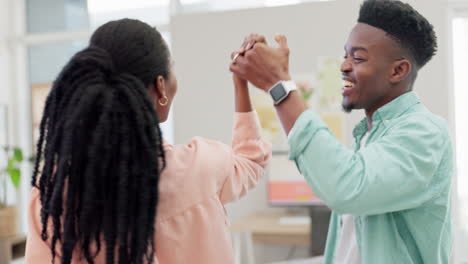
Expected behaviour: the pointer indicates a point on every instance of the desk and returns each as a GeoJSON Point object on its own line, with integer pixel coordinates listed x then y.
{"type": "Point", "coordinates": [12, 248]}
{"type": "Point", "coordinates": [265, 227]}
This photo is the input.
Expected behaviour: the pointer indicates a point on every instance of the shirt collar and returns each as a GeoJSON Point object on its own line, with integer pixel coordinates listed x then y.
{"type": "Point", "coordinates": [391, 110]}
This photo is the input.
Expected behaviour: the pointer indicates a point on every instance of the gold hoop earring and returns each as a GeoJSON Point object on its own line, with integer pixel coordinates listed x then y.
{"type": "Point", "coordinates": [164, 101]}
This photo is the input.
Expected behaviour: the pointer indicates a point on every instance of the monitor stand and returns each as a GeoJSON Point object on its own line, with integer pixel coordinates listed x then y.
{"type": "Point", "coordinates": [320, 219]}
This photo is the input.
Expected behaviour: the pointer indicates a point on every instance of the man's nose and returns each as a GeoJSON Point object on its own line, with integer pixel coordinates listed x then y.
{"type": "Point", "coordinates": [346, 66]}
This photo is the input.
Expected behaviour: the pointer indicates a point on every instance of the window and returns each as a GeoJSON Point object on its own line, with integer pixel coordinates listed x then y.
{"type": "Point", "coordinates": [460, 42]}
{"type": "Point", "coordinates": [154, 12]}
{"type": "Point", "coordinates": [220, 5]}
{"type": "Point", "coordinates": [45, 62]}
{"type": "Point", "coordinates": [56, 16]}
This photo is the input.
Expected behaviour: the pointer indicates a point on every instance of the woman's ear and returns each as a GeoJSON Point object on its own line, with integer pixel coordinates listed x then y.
{"type": "Point", "coordinates": [160, 86]}
{"type": "Point", "coordinates": [157, 89]}
{"type": "Point", "coordinates": [401, 70]}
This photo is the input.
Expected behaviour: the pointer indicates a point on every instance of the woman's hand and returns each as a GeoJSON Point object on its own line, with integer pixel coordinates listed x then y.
{"type": "Point", "coordinates": [248, 44]}
{"type": "Point", "coordinates": [264, 66]}
{"type": "Point", "coordinates": [242, 98]}
{"type": "Point", "coordinates": [239, 83]}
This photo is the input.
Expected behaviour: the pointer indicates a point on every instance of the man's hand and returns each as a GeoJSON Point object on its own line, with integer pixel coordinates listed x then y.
{"type": "Point", "coordinates": [262, 65]}
{"type": "Point", "coordinates": [248, 43]}
{"type": "Point", "coordinates": [242, 98]}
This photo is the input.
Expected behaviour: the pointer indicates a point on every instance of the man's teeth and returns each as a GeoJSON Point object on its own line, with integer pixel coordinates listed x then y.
{"type": "Point", "coordinates": [348, 84]}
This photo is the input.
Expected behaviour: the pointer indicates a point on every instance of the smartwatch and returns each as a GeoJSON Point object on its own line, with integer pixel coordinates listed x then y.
{"type": "Point", "coordinates": [281, 90]}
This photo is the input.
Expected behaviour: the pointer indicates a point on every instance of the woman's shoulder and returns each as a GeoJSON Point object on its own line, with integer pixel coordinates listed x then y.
{"type": "Point", "coordinates": [199, 148]}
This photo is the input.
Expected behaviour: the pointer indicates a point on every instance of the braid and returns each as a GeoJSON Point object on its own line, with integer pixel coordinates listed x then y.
{"type": "Point", "coordinates": [102, 148]}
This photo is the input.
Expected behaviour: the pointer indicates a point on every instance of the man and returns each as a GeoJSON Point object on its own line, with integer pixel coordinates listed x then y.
{"type": "Point", "coordinates": [390, 193]}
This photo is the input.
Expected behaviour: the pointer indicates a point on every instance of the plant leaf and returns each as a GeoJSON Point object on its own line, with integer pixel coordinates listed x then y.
{"type": "Point", "coordinates": [11, 164]}
{"type": "Point", "coordinates": [15, 176]}
{"type": "Point", "coordinates": [18, 154]}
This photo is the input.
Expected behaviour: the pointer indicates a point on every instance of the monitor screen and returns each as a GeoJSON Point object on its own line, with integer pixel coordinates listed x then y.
{"type": "Point", "coordinates": [286, 185]}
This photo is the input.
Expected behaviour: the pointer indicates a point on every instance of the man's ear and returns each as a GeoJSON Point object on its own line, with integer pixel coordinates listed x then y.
{"type": "Point", "coordinates": [401, 69]}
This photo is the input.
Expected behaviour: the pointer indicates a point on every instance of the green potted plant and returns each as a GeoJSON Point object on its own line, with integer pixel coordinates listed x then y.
{"type": "Point", "coordinates": [12, 173]}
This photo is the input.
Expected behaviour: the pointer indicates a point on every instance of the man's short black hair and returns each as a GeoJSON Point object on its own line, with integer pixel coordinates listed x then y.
{"type": "Point", "coordinates": [404, 24]}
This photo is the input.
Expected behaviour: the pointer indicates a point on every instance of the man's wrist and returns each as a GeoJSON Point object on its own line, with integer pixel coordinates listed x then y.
{"type": "Point", "coordinates": [273, 81]}
{"type": "Point", "coordinates": [290, 109]}
{"type": "Point", "coordinates": [281, 90]}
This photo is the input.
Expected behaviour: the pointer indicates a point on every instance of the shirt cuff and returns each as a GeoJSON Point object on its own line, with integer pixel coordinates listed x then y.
{"type": "Point", "coordinates": [304, 129]}
{"type": "Point", "coordinates": [246, 126]}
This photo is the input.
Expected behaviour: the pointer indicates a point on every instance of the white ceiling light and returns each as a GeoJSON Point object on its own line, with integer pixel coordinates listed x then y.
{"type": "Point", "coordinates": [281, 2]}
{"type": "Point", "coordinates": [107, 6]}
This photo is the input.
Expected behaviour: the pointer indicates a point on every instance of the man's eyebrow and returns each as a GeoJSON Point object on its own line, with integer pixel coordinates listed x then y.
{"type": "Point", "coordinates": [356, 48]}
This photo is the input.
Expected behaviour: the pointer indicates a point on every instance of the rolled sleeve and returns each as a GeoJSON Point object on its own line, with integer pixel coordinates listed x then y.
{"type": "Point", "coordinates": [392, 173]}
{"type": "Point", "coordinates": [249, 157]}
{"type": "Point", "coordinates": [246, 127]}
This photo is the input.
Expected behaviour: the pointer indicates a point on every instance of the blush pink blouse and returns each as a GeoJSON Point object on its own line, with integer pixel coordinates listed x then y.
{"type": "Point", "coordinates": [191, 224]}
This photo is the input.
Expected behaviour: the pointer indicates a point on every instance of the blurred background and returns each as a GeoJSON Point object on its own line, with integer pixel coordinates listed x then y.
{"type": "Point", "coordinates": [281, 219]}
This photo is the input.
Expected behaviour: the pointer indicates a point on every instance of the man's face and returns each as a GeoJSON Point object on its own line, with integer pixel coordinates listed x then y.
{"type": "Point", "coordinates": [369, 54]}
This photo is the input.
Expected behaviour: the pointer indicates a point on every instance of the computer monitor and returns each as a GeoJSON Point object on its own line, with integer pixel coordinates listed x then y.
{"type": "Point", "coordinates": [286, 185]}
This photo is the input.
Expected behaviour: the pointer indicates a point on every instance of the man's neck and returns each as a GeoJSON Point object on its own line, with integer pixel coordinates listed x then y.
{"type": "Point", "coordinates": [369, 122]}
{"type": "Point", "coordinates": [371, 110]}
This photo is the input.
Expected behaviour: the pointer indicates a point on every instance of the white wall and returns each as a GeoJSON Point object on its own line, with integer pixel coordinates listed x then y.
{"type": "Point", "coordinates": [5, 52]}
{"type": "Point", "coordinates": [7, 94]}
{"type": "Point", "coordinates": [434, 81]}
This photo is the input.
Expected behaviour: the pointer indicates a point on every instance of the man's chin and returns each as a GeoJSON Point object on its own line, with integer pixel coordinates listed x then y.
{"type": "Point", "coordinates": [347, 107]}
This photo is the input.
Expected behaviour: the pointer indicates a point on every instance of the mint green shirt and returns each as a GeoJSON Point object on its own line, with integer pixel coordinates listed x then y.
{"type": "Point", "coordinates": [397, 187]}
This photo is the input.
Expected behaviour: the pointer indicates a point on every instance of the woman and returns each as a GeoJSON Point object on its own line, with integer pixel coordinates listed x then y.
{"type": "Point", "coordinates": [109, 188]}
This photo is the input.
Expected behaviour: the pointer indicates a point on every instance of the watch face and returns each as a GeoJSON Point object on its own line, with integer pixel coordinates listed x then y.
{"type": "Point", "coordinates": [277, 92]}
